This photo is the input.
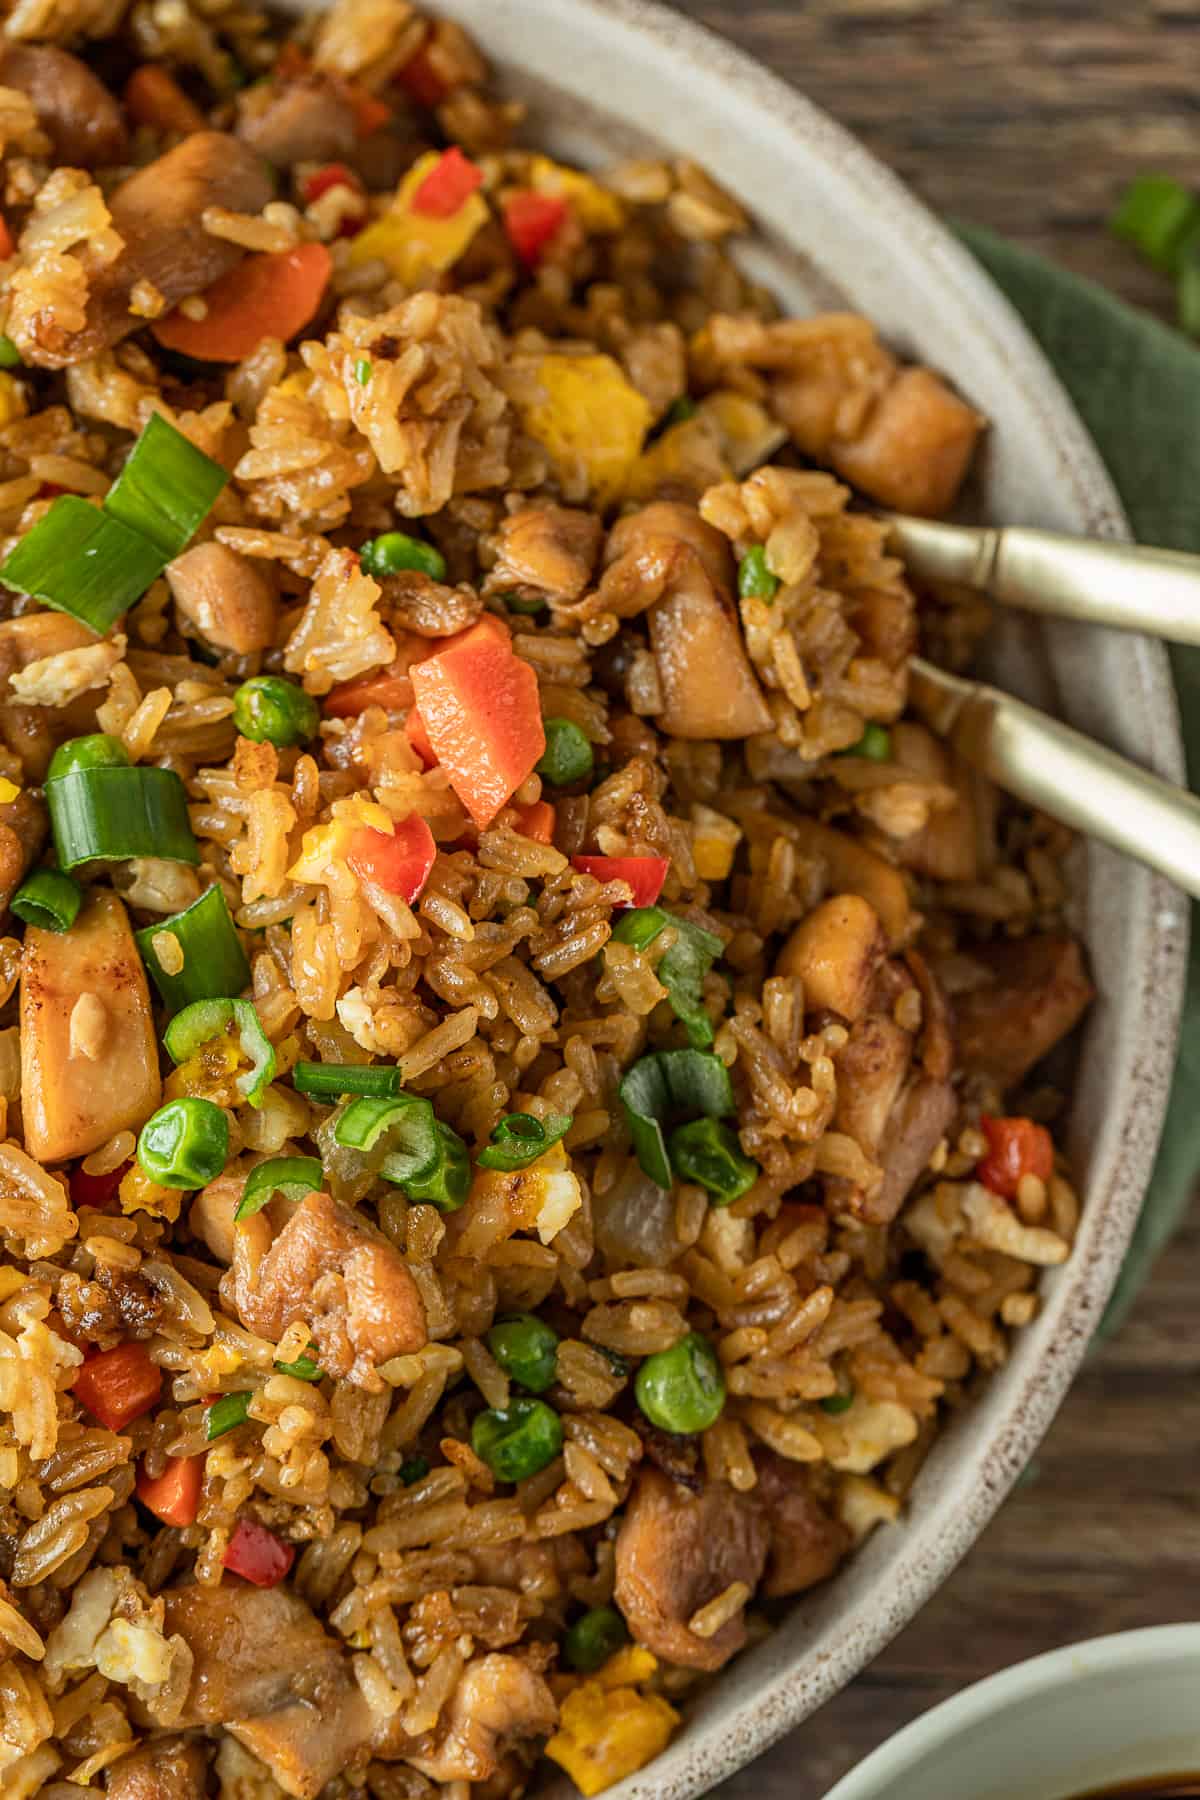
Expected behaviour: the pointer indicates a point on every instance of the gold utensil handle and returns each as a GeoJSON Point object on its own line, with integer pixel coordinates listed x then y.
{"type": "Point", "coordinates": [1092, 580]}
{"type": "Point", "coordinates": [1067, 775]}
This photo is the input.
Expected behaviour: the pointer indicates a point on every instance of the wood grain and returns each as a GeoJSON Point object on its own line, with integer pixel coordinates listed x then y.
{"type": "Point", "coordinates": [1028, 116]}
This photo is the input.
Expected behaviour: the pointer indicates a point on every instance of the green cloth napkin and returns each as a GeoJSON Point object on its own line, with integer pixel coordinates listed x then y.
{"type": "Point", "coordinates": [1136, 386]}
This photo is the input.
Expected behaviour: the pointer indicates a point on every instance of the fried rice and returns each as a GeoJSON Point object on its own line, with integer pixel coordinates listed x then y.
{"type": "Point", "coordinates": [604, 786]}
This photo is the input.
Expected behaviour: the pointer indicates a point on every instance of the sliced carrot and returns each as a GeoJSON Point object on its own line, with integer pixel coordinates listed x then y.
{"type": "Point", "coordinates": [154, 98]}
{"type": "Point", "coordinates": [272, 294]}
{"type": "Point", "coordinates": [349, 698]}
{"type": "Point", "coordinates": [118, 1385]}
{"type": "Point", "coordinates": [479, 704]}
{"type": "Point", "coordinates": [418, 737]}
{"type": "Point", "coordinates": [6, 242]}
{"type": "Point", "coordinates": [173, 1496]}
{"type": "Point", "coordinates": [537, 821]}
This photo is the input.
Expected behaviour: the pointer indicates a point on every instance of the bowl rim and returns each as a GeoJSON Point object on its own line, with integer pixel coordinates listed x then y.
{"type": "Point", "coordinates": [1118, 1652]}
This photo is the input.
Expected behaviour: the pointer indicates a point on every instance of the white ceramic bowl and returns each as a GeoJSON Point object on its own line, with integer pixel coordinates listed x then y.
{"type": "Point", "coordinates": [613, 77]}
{"type": "Point", "coordinates": [1091, 1716]}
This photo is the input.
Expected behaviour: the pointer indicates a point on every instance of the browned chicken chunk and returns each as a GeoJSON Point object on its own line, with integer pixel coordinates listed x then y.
{"type": "Point", "coordinates": [266, 1670]}
{"type": "Point", "coordinates": [84, 123]}
{"type": "Point", "coordinates": [169, 1768]}
{"type": "Point", "coordinates": [552, 549]}
{"type": "Point", "coordinates": [332, 1269]}
{"type": "Point", "coordinates": [499, 1701]}
{"type": "Point", "coordinates": [675, 1553]}
{"type": "Point", "coordinates": [915, 447]}
{"type": "Point", "coordinates": [23, 827]}
{"type": "Point", "coordinates": [157, 212]}
{"type": "Point", "coordinates": [89, 1055]}
{"type": "Point", "coordinates": [836, 951]}
{"type": "Point", "coordinates": [305, 120]}
{"type": "Point", "coordinates": [228, 598]}
{"type": "Point", "coordinates": [806, 1543]}
{"type": "Point", "coordinates": [1038, 989]}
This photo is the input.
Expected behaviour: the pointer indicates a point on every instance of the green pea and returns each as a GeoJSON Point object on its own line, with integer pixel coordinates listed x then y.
{"type": "Point", "coordinates": [838, 1403]}
{"type": "Point", "coordinates": [524, 603]}
{"type": "Point", "coordinates": [10, 356]}
{"type": "Point", "coordinates": [682, 1389]}
{"type": "Point", "coordinates": [568, 754]}
{"type": "Point", "coordinates": [270, 710]}
{"type": "Point", "coordinates": [185, 1144]}
{"type": "Point", "coordinates": [594, 1637]}
{"type": "Point", "coordinates": [95, 752]}
{"type": "Point", "coordinates": [518, 1440]}
{"type": "Point", "coordinates": [755, 580]}
{"type": "Point", "coordinates": [395, 550]}
{"type": "Point", "coordinates": [362, 371]}
{"type": "Point", "coordinates": [875, 743]}
{"type": "Point", "coordinates": [526, 1349]}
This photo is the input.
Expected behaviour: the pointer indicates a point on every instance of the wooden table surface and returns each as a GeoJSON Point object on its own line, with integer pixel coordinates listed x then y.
{"type": "Point", "coordinates": [1028, 116]}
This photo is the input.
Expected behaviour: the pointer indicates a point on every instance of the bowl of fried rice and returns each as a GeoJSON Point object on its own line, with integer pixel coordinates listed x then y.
{"type": "Point", "coordinates": [559, 1151]}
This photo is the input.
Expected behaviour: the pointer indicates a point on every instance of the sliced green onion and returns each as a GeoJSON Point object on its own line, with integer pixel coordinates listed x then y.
{"type": "Point", "coordinates": [166, 488]}
{"type": "Point", "coordinates": [395, 550]}
{"type": "Point", "coordinates": [204, 1020]}
{"type": "Point", "coordinates": [291, 1176]}
{"type": "Point", "coordinates": [414, 1468]}
{"type": "Point", "coordinates": [755, 580]}
{"type": "Point", "coordinates": [520, 1139]}
{"type": "Point", "coordinates": [682, 969]}
{"type": "Point", "coordinates": [404, 1124]}
{"type": "Point", "coordinates": [97, 751]}
{"type": "Point", "coordinates": [305, 1368]}
{"type": "Point", "coordinates": [595, 1637]}
{"type": "Point", "coordinates": [838, 1403]}
{"type": "Point", "coordinates": [268, 709]}
{"type": "Point", "coordinates": [568, 754]}
{"type": "Point", "coordinates": [113, 814]}
{"type": "Point", "coordinates": [184, 1144]}
{"type": "Point", "coordinates": [329, 1081]}
{"type": "Point", "coordinates": [10, 356]}
{"type": "Point", "coordinates": [226, 1414]}
{"type": "Point", "coordinates": [524, 603]}
{"type": "Point", "coordinates": [81, 561]}
{"type": "Point", "coordinates": [1155, 214]}
{"type": "Point", "coordinates": [49, 899]}
{"type": "Point", "coordinates": [875, 744]}
{"type": "Point", "coordinates": [447, 1183]}
{"type": "Point", "coordinates": [680, 410]}
{"type": "Point", "coordinates": [708, 1152]}
{"type": "Point", "coordinates": [214, 963]}
{"type": "Point", "coordinates": [667, 1081]}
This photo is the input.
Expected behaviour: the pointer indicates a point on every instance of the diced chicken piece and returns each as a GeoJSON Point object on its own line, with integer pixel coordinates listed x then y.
{"type": "Point", "coordinates": [915, 447]}
{"type": "Point", "coordinates": [806, 1543]}
{"type": "Point", "coordinates": [22, 833]}
{"type": "Point", "coordinates": [170, 1768]}
{"type": "Point", "coordinates": [85, 1077]}
{"type": "Point", "coordinates": [886, 621]}
{"type": "Point", "coordinates": [210, 1216]}
{"type": "Point", "coordinates": [675, 1553]}
{"type": "Point", "coordinates": [84, 123]}
{"type": "Point", "coordinates": [157, 212]}
{"type": "Point", "coordinates": [339, 1274]}
{"type": "Point", "coordinates": [643, 535]}
{"type": "Point", "coordinates": [305, 120]}
{"type": "Point", "coordinates": [228, 598]}
{"type": "Point", "coordinates": [836, 951]}
{"type": "Point", "coordinates": [937, 1026]}
{"type": "Point", "coordinates": [708, 686]}
{"type": "Point", "coordinates": [872, 1067]}
{"type": "Point", "coordinates": [854, 869]}
{"type": "Point", "coordinates": [1037, 992]}
{"type": "Point", "coordinates": [35, 635]}
{"type": "Point", "coordinates": [946, 848]}
{"type": "Point", "coordinates": [550, 548]}
{"type": "Point", "coordinates": [266, 1670]}
{"type": "Point", "coordinates": [415, 602]}
{"type": "Point", "coordinates": [919, 1121]}
{"type": "Point", "coordinates": [499, 1701]}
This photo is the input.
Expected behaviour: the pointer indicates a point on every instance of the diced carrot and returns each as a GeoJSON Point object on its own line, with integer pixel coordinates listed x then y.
{"type": "Point", "coordinates": [118, 1385]}
{"type": "Point", "coordinates": [7, 246]}
{"type": "Point", "coordinates": [537, 821]}
{"type": "Point", "coordinates": [349, 698]}
{"type": "Point", "coordinates": [421, 81]}
{"type": "Point", "coordinates": [270, 294]}
{"type": "Point", "coordinates": [531, 221]}
{"type": "Point", "coordinates": [258, 1555]}
{"type": "Point", "coordinates": [642, 875]}
{"type": "Point", "coordinates": [154, 98]}
{"type": "Point", "coordinates": [418, 737]}
{"type": "Point", "coordinates": [400, 862]}
{"type": "Point", "coordinates": [95, 1190]}
{"type": "Point", "coordinates": [1016, 1147]}
{"type": "Point", "coordinates": [448, 185]}
{"type": "Point", "coordinates": [173, 1496]}
{"type": "Point", "coordinates": [479, 704]}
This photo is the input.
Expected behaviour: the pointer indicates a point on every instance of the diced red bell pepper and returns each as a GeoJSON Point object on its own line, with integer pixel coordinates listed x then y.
{"type": "Point", "coordinates": [418, 737]}
{"type": "Point", "coordinates": [173, 1496]}
{"type": "Point", "coordinates": [95, 1190]}
{"type": "Point", "coordinates": [448, 185]}
{"type": "Point", "coordinates": [644, 875]}
{"type": "Point", "coordinates": [478, 702]}
{"type": "Point", "coordinates": [421, 81]}
{"type": "Point", "coordinates": [531, 221]}
{"type": "Point", "coordinates": [118, 1386]}
{"type": "Point", "coordinates": [537, 821]}
{"type": "Point", "coordinates": [1016, 1147]}
{"type": "Point", "coordinates": [7, 245]}
{"type": "Point", "coordinates": [257, 1555]}
{"type": "Point", "coordinates": [400, 863]}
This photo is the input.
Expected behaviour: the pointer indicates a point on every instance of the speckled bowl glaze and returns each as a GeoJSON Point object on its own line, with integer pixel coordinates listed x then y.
{"type": "Point", "coordinates": [611, 77]}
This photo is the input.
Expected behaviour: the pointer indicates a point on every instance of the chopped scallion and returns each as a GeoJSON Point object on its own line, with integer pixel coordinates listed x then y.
{"type": "Point", "coordinates": [667, 1082]}
{"type": "Point", "coordinates": [707, 1151]}
{"type": "Point", "coordinates": [204, 1020]}
{"type": "Point", "coordinates": [226, 1414]}
{"type": "Point", "coordinates": [48, 899]}
{"type": "Point", "coordinates": [113, 814]}
{"type": "Point", "coordinates": [1156, 213]}
{"type": "Point", "coordinates": [329, 1081]}
{"type": "Point", "coordinates": [838, 1403]}
{"type": "Point", "coordinates": [305, 1368]}
{"type": "Point", "coordinates": [166, 488]}
{"type": "Point", "coordinates": [81, 561]}
{"type": "Point", "coordinates": [524, 603]}
{"type": "Point", "coordinates": [362, 371]}
{"type": "Point", "coordinates": [683, 967]}
{"type": "Point", "coordinates": [520, 1139]}
{"type": "Point", "coordinates": [755, 580]}
{"type": "Point", "coordinates": [10, 356]}
{"type": "Point", "coordinates": [291, 1176]}
{"type": "Point", "coordinates": [680, 410]}
{"type": "Point", "coordinates": [214, 963]}
{"type": "Point", "coordinates": [403, 1124]}
{"type": "Point", "coordinates": [96, 751]}
{"type": "Point", "coordinates": [447, 1183]}
{"type": "Point", "coordinates": [875, 744]}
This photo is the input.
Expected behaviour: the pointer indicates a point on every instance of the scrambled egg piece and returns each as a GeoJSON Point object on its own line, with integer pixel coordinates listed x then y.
{"type": "Point", "coordinates": [544, 1196]}
{"type": "Point", "coordinates": [415, 245]}
{"type": "Point", "coordinates": [590, 419]}
{"type": "Point", "coordinates": [140, 1194]}
{"type": "Point", "coordinates": [714, 842]}
{"type": "Point", "coordinates": [209, 1073]}
{"type": "Point", "coordinates": [8, 790]}
{"type": "Point", "coordinates": [607, 1728]}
